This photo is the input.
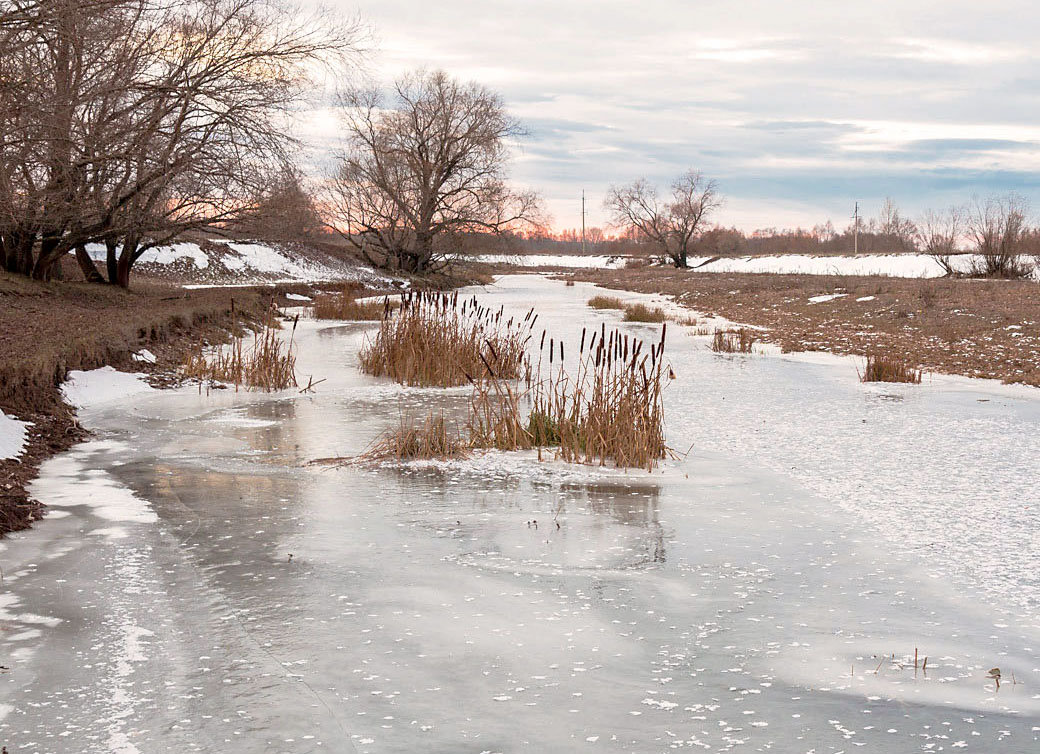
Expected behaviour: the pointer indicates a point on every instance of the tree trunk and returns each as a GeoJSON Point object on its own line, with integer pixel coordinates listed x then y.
{"type": "Point", "coordinates": [90, 270]}
{"type": "Point", "coordinates": [111, 262]}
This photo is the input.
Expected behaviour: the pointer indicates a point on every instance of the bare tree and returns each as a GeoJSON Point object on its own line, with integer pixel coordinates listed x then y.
{"type": "Point", "coordinates": [996, 227]}
{"type": "Point", "coordinates": [670, 226]}
{"type": "Point", "coordinates": [897, 231]}
{"type": "Point", "coordinates": [423, 168]}
{"type": "Point", "coordinates": [937, 234]}
{"type": "Point", "coordinates": [151, 117]}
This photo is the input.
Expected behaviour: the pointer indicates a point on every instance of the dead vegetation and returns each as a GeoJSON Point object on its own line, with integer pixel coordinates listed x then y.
{"type": "Point", "coordinates": [434, 340]}
{"type": "Point", "coordinates": [267, 364]}
{"type": "Point", "coordinates": [978, 328]}
{"type": "Point", "coordinates": [606, 408]}
{"type": "Point", "coordinates": [882, 368]}
{"type": "Point", "coordinates": [344, 305]}
{"type": "Point", "coordinates": [413, 440]}
{"type": "Point", "coordinates": [606, 302]}
{"type": "Point", "coordinates": [738, 340]}
{"type": "Point", "coordinates": [644, 313]}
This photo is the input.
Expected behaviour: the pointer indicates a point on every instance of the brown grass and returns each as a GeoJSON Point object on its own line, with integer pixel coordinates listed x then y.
{"type": "Point", "coordinates": [609, 409]}
{"type": "Point", "coordinates": [977, 328]}
{"type": "Point", "coordinates": [345, 306]}
{"type": "Point", "coordinates": [644, 313]}
{"type": "Point", "coordinates": [606, 302]}
{"type": "Point", "coordinates": [433, 438]}
{"type": "Point", "coordinates": [881, 368]}
{"type": "Point", "coordinates": [435, 340]}
{"type": "Point", "coordinates": [263, 365]}
{"type": "Point", "coordinates": [733, 341]}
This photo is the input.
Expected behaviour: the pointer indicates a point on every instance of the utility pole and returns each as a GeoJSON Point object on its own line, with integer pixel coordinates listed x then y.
{"type": "Point", "coordinates": [855, 232]}
{"type": "Point", "coordinates": [583, 221]}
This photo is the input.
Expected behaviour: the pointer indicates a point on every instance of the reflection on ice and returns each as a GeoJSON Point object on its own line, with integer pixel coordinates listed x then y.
{"type": "Point", "coordinates": [763, 593]}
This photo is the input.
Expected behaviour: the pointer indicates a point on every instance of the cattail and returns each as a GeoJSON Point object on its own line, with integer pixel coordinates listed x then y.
{"type": "Point", "coordinates": [581, 348]}
{"type": "Point", "coordinates": [551, 350]}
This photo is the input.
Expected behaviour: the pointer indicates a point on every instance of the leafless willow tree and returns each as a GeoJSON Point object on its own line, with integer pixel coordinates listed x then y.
{"type": "Point", "coordinates": [997, 226]}
{"type": "Point", "coordinates": [422, 168]}
{"type": "Point", "coordinates": [670, 224]}
{"type": "Point", "coordinates": [897, 232]}
{"type": "Point", "coordinates": [938, 233]}
{"type": "Point", "coordinates": [127, 122]}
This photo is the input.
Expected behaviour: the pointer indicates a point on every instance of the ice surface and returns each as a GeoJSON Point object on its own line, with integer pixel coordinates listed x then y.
{"type": "Point", "coordinates": [12, 436]}
{"type": "Point", "coordinates": [764, 593]}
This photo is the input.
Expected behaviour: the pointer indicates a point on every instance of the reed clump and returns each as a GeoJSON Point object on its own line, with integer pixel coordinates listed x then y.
{"type": "Point", "coordinates": [433, 438]}
{"type": "Point", "coordinates": [436, 340]}
{"type": "Point", "coordinates": [644, 313]}
{"type": "Point", "coordinates": [606, 302]}
{"type": "Point", "coordinates": [733, 341]}
{"type": "Point", "coordinates": [882, 368]}
{"type": "Point", "coordinates": [344, 305]}
{"type": "Point", "coordinates": [608, 409]}
{"type": "Point", "coordinates": [267, 364]}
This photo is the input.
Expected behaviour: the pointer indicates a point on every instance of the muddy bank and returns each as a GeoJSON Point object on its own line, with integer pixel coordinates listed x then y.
{"type": "Point", "coordinates": [48, 329]}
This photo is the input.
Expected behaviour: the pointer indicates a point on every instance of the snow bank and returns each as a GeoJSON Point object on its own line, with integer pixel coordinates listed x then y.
{"type": "Point", "coordinates": [12, 436]}
{"type": "Point", "coordinates": [89, 389]}
{"type": "Point", "coordinates": [890, 265]}
{"type": "Point", "coordinates": [160, 254]}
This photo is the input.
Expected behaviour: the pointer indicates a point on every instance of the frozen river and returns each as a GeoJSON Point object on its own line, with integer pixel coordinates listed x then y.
{"type": "Point", "coordinates": [765, 593]}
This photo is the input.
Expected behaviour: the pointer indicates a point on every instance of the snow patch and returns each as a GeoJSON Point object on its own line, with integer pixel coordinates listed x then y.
{"type": "Point", "coordinates": [12, 436]}
{"type": "Point", "coordinates": [98, 386]}
{"type": "Point", "coordinates": [145, 356]}
{"type": "Point", "coordinates": [826, 297]}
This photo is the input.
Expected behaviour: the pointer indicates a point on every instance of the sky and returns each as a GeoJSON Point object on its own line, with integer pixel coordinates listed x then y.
{"type": "Point", "coordinates": [798, 109]}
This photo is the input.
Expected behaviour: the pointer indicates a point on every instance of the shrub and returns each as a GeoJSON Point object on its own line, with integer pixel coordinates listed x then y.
{"type": "Point", "coordinates": [881, 368]}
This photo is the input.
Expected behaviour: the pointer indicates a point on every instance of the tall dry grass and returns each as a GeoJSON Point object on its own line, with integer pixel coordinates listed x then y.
{"type": "Point", "coordinates": [733, 341]}
{"type": "Point", "coordinates": [644, 313]}
{"type": "Point", "coordinates": [344, 305]}
{"type": "Point", "coordinates": [609, 409]}
{"type": "Point", "coordinates": [882, 368]}
{"type": "Point", "coordinates": [606, 302]}
{"type": "Point", "coordinates": [433, 438]}
{"type": "Point", "coordinates": [434, 340]}
{"type": "Point", "coordinates": [268, 363]}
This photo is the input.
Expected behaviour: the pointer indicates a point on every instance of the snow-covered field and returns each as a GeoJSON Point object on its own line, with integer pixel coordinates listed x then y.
{"type": "Point", "coordinates": [891, 265]}
{"type": "Point", "coordinates": [576, 261]}
{"type": "Point", "coordinates": [202, 587]}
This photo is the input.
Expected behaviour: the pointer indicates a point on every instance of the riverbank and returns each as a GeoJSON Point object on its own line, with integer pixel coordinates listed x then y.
{"type": "Point", "coordinates": [975, 328]}
{"type": "Point", "coordinates": [49, 329]}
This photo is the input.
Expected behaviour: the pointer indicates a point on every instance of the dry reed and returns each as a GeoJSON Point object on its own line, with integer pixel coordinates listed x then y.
{"type": "Point", "coordinates": [263, 365]}
{"type": "Point", "coordinates": [606, 302]}
{"type": "Point", "coordinates": [609, 409]}
{"type": "Point", "coordinates": [435, 340]}
{"type": "Point", "coordinates": [733, 341]}
{"type": "Point", "coordinates": [881, 368]}
{"type": "Point", "coordinates": [344, 305]}
{"type": "Point", "coordinates": [433, 438]}
{"type": "Point", "coordinates": [644, 313]}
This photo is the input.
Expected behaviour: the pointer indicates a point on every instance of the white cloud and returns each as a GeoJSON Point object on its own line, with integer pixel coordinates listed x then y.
{"type": "Point", "coordinates": [796, 105]}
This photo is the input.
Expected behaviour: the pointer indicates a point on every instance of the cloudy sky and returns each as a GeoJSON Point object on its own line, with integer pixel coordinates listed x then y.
{"type": "Point", "coordinates": [798, 108]}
